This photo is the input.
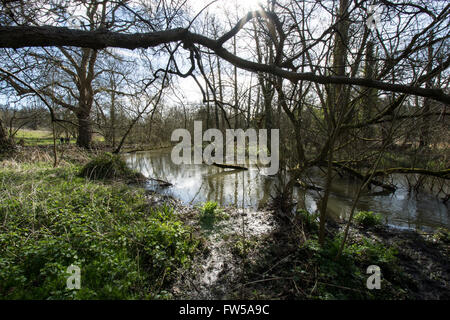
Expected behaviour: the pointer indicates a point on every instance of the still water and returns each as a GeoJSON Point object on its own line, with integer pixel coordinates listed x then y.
{"type": "Point", "coordinates": [194, 184]}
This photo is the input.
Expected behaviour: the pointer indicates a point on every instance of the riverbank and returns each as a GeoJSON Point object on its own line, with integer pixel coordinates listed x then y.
{"type": "Point", "coordinates": [136, 244]}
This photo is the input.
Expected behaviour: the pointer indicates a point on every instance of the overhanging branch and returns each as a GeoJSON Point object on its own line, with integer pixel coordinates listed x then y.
{"type": "Point", "coordinates": [26, 36]}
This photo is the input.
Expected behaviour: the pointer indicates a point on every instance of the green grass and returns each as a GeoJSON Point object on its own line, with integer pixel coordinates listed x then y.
{"type": "Point", "coordinates": [50, 218]}
{"type": "Point", "coordinates": [44, 137]}
{"type": "Point", "coordinates": [34, 137]}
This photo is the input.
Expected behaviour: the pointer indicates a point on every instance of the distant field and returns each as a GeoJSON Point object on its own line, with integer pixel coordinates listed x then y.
{"type": "Point", "coordinates": [42, 137]}
{"type": "Point", "coordinates": [34, 137]}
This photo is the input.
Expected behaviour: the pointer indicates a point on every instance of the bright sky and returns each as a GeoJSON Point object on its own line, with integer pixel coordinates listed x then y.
{"type": "Point", "coordinates": [220, 5]}
{"type": "Point", "coordinates": [219, 8]}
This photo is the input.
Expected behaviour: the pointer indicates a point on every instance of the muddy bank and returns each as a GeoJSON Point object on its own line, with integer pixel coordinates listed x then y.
{"type": "Point", "coordinates": [258, 255]}
{"type": "Point", "coordinates": [225, 247]}
{"type": "Point", "coordinates": [292, 265]}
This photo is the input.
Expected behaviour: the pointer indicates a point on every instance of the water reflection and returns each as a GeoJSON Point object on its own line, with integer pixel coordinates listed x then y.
{"type": "Point", "coordinates": [199, 183]}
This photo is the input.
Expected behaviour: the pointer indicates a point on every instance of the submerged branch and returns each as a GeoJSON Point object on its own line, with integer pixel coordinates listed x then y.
{"type": "Point", "coordinates": [229, 166]}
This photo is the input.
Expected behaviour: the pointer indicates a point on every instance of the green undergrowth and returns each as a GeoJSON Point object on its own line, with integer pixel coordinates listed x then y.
{"type": "Point", "coordinates": [50, 218]}
{"type": "Point", "coordinates": [345, 277]}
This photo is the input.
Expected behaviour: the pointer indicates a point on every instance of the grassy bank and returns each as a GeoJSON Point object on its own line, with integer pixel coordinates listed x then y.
{"type": "Point", "coordinates": [50, 218]}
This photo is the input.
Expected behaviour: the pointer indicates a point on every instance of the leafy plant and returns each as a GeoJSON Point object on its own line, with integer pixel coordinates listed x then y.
{"type": "Point", "coordinates": [210, 213]}
{"type": "Point", "coordinates": [368, 219]}
{"type": "Point", "coordinates": [442, 234]}
{"type": "Point", "coordinates": [309, 220]}
{"type": "Point", "coordinates": [209, 208]}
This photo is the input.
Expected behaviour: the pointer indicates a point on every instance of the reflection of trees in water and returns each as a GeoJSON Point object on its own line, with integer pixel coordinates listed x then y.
{"type": "Point", "coordinates": [198, 193]}
{"type": "Point", "coordinates": [212, 194]}
{"type": "Point", "coordinates": [234, 187]}
{"type": "Point", "coordinates": [253, 194]}
{"type": "Point", "coordinates": [236, 191]}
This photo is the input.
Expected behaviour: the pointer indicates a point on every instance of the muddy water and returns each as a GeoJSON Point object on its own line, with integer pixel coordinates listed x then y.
{"type": "Point", "coordinates": [253, 189]}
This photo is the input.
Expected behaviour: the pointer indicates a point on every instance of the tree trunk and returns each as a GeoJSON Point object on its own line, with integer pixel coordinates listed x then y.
{"type": "Point", "coordinates": [370, 99]}
{"type": "Point", "coordinates": [5, 143]}
{"type": "Point", "coordinates": [112, 111]}
{"type": "Point", "coordinates": [337, 104]}
{"type": "Point", "coordinates": [235, 84]}
{"type": "Point", "coordinates": [425, 125]}
{"type": "Point", "coordinates": [3, 136]}
{"type": "Point", "coordinates": [207, 109]}
{"type": "Point", "coordinates": [84, 130]}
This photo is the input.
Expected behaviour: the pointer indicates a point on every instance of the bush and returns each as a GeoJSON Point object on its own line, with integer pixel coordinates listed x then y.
{"type": "Point", "coordinates": [368, 219]}
{"type": "Point", "coordinates": [109, 166]}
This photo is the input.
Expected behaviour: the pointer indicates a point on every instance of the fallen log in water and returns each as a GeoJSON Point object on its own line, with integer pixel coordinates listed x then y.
{"type": "Point", "coordinates": [229, 166]}
{"type": "Point", "coordinates": [224, 173]}
{"type": "Point", "coordinates": [162, 183]}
